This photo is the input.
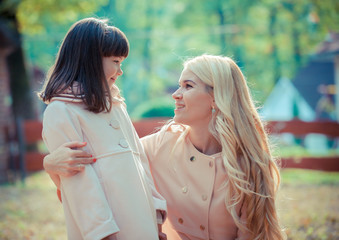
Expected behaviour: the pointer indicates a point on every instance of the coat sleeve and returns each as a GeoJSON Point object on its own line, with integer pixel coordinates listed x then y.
{"type": "Point", "coordinates": [149, 145]}
{"type": "Point", "coordinates": [83, 198]}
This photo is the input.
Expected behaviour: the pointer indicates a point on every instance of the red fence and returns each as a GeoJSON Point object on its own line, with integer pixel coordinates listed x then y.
{"type": "Point", "coordinates": [301, 129]}
{"type": "Point", "coordinates": [30, 132]}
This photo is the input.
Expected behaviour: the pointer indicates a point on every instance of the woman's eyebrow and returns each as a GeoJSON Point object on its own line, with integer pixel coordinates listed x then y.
{"type": "Point", "coordinates": [186, 81]}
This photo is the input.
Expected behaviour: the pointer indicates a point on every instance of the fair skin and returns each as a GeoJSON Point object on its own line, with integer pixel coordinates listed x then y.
{"type": "Point", "coordinates": [112, 69]}
{"type": "Point", "coordinates": [193, 108]}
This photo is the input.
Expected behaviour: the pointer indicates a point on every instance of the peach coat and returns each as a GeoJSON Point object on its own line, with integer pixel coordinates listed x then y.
{"type": "Point", "coordinates": [116, 194]}
{"type": "Point", "coordinates": [192, 184]}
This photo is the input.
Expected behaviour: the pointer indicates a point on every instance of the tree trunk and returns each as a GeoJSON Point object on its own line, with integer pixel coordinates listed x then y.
{"type": "Point", "coordinates": [274, 54]}
{"type": "Point", "coordinates": [221, 15]}
{"type": "Point", "coordinates": [21, 92]}
{"type": "Point", "coordinates": [295, 34]}
{"type": "Point", "coordinates": [20, 87]}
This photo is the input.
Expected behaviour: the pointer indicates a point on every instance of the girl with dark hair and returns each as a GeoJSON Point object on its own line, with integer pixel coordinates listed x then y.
{"type": "Point", "coordinates": [114, 197]}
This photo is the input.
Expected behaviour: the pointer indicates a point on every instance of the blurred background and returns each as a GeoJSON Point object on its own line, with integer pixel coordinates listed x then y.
{"type": "Point", "coordinates": [287, 49]}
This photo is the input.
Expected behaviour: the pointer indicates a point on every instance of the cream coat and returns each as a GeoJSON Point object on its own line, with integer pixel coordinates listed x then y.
{"type": "Point", "coordinates": [192, 184]}
{"type": "Point", "coordinates": [114, 195]}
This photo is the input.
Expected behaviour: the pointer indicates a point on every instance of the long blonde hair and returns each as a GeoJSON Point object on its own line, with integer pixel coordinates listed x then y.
{"type": "Point", "coordinates": [253, 176]}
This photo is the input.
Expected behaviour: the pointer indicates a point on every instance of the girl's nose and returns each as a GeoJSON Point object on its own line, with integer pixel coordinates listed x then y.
{"type": "Point", "coordinates": [120, 72]}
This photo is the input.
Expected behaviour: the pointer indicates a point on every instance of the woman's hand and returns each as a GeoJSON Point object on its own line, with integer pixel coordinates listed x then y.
{"type": "Point", "coordinates": [67, 160]}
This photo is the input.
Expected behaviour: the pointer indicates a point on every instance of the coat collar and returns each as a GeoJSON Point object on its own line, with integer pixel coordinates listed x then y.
{"type": "Point", "coordinates": [74, 94]}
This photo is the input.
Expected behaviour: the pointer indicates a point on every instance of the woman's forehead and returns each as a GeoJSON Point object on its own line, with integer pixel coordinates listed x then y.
{"type": "Point", "coordinates": [188, 75]}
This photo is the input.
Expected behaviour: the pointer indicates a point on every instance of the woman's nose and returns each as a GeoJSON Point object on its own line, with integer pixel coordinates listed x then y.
{"type": "Point", "coordinates": [177, 94]}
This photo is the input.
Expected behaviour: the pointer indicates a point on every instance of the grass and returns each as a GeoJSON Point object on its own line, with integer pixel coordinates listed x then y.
{"type": "Point", "coordinates": [31, 210]}
{"type": "Point", "coordinates": [307, 203]}
{"type": "Point", "coordinates": [299, 151]}
{"type": "Point", "coordinates": [308, 177]}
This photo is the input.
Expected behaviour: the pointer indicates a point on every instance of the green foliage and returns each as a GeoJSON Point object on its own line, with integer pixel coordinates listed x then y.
{"type": "Point", "coordinates": [160, 107]}
{"type": "Point", "coordinates": [267, 38]}
{"type": "Point", "coordinates": [300, 151]}
{"type": "Point", "coordinates": [44, 23]}
{"type": "Point", "coordinates": [311, 177]}
{"type": "Point", "coordinates": [35, 16]}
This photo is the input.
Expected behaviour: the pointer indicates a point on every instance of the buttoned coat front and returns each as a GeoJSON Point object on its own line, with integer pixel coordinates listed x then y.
{"type": "Point", "coordinates": [193, 185]}
{"type": "Point", "coordinates": [116, 194]}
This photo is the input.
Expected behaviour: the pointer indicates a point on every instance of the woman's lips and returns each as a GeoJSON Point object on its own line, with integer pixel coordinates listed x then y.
{"type": "Point", "coordinates": [179, 106]}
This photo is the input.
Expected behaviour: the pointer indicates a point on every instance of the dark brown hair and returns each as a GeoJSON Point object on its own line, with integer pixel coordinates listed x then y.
{"type": "Point", "coordinates": [80, 60]}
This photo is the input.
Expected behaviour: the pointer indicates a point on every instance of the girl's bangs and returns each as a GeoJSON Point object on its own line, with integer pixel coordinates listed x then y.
{"type": "Point", "coordinates": [115, 44]}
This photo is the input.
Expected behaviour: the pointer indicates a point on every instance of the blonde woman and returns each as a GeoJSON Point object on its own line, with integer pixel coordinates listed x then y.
{"type": "Point", "coordinates": [212, 163]}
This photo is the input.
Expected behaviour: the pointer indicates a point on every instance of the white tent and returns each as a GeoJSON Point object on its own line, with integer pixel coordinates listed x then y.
{"type": "Point", "coordinates": [285, 103]}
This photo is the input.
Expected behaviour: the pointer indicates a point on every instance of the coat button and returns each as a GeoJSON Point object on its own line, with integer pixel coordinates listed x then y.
{"type": "Point", "coordinates": [123, 143]}
{"type": "Point", "coordinates": [204, 197]}
{"type": "Point", "coordinates": [202, 227]}
{"type": "Point", "coordinates": [181, 221]}
{"type": "Point", "coordinates": [114, 124]}
{"type": "Point", "coordinates": [211, 164]}
{"type": "Point", "coordinates": [192, 158]}
{"type": "Point", "coordinates": [184, 189]}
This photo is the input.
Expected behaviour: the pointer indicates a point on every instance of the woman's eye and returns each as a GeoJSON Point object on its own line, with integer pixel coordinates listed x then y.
{"type": "Point", "coordinates": [189, 86]}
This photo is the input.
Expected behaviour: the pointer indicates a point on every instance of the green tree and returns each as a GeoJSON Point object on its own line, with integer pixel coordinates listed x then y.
{"type": "Point", "coordinates": [19, 82]}
{"type": "Point", "coordinates": [267, 38]}
{"type": "Point", "coordinates": [35, 18]}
